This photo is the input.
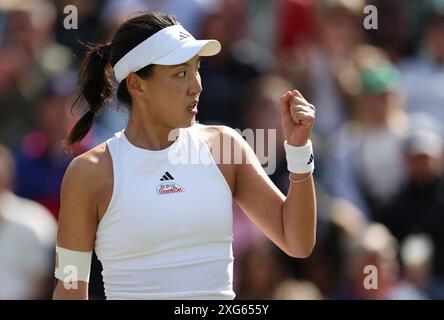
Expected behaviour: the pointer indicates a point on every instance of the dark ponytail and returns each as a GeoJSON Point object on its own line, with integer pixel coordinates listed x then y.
{"type": "Point", "coordinates": [95, 79]}
{"type": "Point", "coordinates": [95, 86]}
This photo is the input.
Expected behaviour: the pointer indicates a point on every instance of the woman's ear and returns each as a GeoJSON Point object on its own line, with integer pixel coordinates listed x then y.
{"type": "Point", "coordinates": [134, 85]}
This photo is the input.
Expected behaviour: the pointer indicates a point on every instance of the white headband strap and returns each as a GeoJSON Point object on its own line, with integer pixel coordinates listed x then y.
{"type": "Point", "coordinates": [155, 47]}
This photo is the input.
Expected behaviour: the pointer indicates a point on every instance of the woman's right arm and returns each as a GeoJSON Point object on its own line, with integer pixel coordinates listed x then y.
{"type": "Point", "coordinates": [78, 217]}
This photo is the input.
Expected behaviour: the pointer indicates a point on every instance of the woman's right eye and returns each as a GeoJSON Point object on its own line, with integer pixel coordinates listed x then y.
{"type": "Point", "coordinates": [182, 74]}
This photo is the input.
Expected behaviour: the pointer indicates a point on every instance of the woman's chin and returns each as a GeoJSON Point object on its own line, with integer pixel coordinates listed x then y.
{"type": "Point", "coordinates": [189, 122]}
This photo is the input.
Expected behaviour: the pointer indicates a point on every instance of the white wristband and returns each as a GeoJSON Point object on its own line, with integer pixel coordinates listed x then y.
{"type": "Point", "coordinates": [299, 159]}
{"type": "Point", "coordinates": [72, 265]}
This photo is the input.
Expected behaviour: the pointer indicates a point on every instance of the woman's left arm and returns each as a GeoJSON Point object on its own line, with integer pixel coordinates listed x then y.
{"type": "Point", "coordinates": [290, 222]}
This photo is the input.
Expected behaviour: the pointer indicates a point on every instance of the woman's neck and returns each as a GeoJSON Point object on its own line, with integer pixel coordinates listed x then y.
{"type": "Point", "coordinates": [145, 133]}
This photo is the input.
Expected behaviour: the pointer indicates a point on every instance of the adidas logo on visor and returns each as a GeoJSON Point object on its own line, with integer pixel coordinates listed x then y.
{"type": "Point", "coordinates": [183, 35]}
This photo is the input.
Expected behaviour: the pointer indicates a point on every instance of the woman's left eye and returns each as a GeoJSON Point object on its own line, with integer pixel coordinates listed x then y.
{"type": "Point", "coordinates": [182, 74]}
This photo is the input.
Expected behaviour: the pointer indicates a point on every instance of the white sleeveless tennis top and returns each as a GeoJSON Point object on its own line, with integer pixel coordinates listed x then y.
{"type": "Point", "coordinates": [167, 233]}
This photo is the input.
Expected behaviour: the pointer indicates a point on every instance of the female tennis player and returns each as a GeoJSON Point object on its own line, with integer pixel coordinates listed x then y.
{"type": "Point", "coordinates": [159, 221]}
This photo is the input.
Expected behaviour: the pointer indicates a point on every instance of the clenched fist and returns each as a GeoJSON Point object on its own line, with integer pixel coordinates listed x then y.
{"type": "Point", "coordinates": [298, 116]}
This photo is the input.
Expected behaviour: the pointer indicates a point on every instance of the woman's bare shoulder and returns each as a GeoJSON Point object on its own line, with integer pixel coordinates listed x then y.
{"type": "Point", "coordinates": [94, 165]}
{"type": "Point", "coordinates": [217, 133]}
{"type": "Point", "coordinates": [214, 131]}
{"type": "Point", "coordinates": [207, 129]}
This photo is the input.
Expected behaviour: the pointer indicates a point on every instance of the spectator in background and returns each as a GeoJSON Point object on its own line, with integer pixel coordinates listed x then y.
{"type": "Point", "coordinates": [419, 206]}
{"type": "Point", "coordinates": [297, 290]}
{"type": "Point", "coordinates": [417, 12]}
{"type": "Point", "coordinates": [260, 271]}
{"type": "Point", "coordinates": [263, 17]}
{"type": "Point", "coordinates": [40, 159]}
{"type": "Point", "coordinates": [313, 63]}
{"type": "Point", "coordinates": [226, 75]}
{"type": "Point", "coordinates": [296, 26]}
{"type": "Point", "coordinates": [366, 169]}
{"type": "Point", "coordinates": [378, 248]}
{"type": "Point", "coordinates": [395, 32]}
{"type": "Point", "coordinates": [87, 30]}
{"type": "Point", "coordinates": [27, 239]}
{"type": "Point", "coordinates": [29, 57]}
{"type": "Point", "coordinates": [423, 76]}
{"type": "Point", "coordinates": [417, 259]}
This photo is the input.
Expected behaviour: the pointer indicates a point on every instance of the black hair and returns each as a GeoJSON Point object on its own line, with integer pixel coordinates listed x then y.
{"type": "Point", "coordinates": [95, 82]}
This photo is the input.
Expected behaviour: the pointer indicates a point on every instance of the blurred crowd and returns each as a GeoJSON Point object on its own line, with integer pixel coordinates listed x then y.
{"type": "Point", "coordinates": [378, 137]}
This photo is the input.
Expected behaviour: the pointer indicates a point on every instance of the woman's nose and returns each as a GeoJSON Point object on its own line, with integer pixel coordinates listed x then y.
{"type": "Point", "coordinates": [195, 85]}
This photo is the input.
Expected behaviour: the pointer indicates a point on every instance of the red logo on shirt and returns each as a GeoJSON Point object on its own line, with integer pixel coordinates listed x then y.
{"type": "Point", "coordinates": [169, 187]}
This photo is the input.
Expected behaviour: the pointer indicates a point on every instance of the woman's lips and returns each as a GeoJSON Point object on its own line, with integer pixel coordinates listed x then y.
{"type": "Point", "coordinates": [192, 108]}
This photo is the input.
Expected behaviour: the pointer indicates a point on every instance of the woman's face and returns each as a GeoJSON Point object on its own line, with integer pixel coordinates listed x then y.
{"type": "Point", "coordinates": [172, 93]}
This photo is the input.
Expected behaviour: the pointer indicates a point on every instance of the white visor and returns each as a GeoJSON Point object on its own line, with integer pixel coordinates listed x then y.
{"type": "Point", "coordinates": [170, 46]}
